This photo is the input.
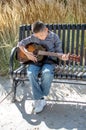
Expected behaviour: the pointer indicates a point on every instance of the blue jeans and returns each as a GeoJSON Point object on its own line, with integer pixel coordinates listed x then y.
{"type": "Point", "coordinates": [47, 73]}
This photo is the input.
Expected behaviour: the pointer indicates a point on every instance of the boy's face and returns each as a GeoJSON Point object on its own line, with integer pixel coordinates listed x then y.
{"type": "Point", "coordinates": [42, 35]}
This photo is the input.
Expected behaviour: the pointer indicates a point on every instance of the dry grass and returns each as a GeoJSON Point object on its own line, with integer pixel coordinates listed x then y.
{"type": "Point", "coordinates": [16, 12]}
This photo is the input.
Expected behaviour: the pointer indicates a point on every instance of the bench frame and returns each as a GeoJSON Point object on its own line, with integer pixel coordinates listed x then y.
{"type": "Point", "coordinates": [73, 41]}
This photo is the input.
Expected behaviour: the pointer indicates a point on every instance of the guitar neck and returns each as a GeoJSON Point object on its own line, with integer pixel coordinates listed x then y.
{"type": "Point", "coordinates": [45, 53]}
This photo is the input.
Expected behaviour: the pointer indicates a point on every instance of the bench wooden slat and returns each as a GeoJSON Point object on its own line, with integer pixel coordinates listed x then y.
{"type": "Point", "coordinates": [82, 45]}
{"type": "Point", "coordinates": [17, 72]}
{"type": "Point", "coordinates": [63, 39]}
{"type": "Point", "coordinates": [28, 28]}
{"type": "Point", "coordinates": [85, 55]}
{"type": "Point", "coordinates": [22, 32]}
{"type": "Point", "coordinates": [54, 28]}
{"type": "Point", "coordinates": [72, 40]}
{"type": "Point", "coordinates": [77, 39]}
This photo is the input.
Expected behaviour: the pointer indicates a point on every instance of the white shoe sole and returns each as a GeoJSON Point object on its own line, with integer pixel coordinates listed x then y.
{"type": "Point", "coordinates": [36, 112]}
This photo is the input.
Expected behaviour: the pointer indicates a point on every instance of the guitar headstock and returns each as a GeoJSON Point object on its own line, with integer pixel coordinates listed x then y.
{"type": "Point", "coordinates": [74, 57]}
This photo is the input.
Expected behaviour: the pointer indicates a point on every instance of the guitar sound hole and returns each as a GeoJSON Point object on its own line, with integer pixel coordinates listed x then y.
{"type": "Point", "coordinates": [35, 52]}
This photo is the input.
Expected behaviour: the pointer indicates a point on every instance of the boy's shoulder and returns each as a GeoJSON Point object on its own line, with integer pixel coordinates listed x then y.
{"type": "Point", "coordinates": [53, 34]}
{"type": "Point", "coordinates": [32, 37]}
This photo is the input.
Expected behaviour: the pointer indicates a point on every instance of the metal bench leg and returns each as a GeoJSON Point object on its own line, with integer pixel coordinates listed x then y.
{"type": "Point", "coordinates": [14, 86]}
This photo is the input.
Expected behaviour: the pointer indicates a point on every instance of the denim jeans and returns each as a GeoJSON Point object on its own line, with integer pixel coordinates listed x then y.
{"type": "Point", "coordinates": [42, 88]}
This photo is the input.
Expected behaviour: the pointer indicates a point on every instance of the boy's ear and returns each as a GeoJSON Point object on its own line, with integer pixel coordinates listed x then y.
{"type": "Point", "coordinates": [46, 29]}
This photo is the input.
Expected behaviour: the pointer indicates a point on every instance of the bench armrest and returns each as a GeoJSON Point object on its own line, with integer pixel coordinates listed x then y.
{"type": "Point", "coordinates": [12, 56]}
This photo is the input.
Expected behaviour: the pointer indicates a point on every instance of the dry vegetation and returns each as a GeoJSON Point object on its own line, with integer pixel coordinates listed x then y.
{"type": "Point", "coordinates": [16, 12]}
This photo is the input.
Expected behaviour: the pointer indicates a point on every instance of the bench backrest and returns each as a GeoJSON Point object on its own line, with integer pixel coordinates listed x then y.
{"type": "Point", "coordinates": [73, 38]}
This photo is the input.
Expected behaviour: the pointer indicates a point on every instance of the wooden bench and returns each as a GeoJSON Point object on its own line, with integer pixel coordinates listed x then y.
{"type": "Point", "coordinates": [73, 38]}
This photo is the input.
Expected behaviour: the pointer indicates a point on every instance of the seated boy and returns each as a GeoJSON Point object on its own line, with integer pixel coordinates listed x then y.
{"type": "Point", "coordinates": [41, 35]}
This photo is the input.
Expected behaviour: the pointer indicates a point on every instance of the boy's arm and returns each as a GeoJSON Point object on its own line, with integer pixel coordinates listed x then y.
{"type": "Point", "coordinates": [25, 41]}
{"type": "Point", "coordinates": [22, 45]}
{"type": "Point", "coordinates": [58, 48]}
{"type": "Point", "coordinates": [29, 55]}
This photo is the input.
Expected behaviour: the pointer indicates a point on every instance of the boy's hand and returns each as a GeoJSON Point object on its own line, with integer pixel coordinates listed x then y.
{"type": "Point", "coordinates": [65, 57]}
{"type": "Point", "coordinates": [31, 56]}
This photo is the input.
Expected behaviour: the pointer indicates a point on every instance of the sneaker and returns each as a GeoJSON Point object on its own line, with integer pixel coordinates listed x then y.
{"type": "Point", "coordinates": [39, 105]}
{"type": "Point", "coordinates": [34, 104]}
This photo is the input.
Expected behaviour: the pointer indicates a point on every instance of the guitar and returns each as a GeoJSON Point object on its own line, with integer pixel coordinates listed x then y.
{"type": "Point", "coordinates": [40, 51]}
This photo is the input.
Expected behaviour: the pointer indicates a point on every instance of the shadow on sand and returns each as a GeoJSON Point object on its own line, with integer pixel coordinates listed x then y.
{"type": "Point", "coordinates": [56, 115]}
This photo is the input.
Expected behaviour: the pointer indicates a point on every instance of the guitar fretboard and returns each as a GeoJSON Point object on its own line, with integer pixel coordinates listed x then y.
{"type": "Point", "coordinates": [45, 53]}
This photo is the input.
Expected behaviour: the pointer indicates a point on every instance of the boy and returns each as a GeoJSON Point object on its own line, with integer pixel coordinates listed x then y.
{"type": "Point", "coordinates": [41, 35]}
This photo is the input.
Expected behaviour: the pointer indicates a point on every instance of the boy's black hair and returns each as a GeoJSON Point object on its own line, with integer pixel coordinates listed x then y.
{"type": "Point", "coordinates": [38, 26]}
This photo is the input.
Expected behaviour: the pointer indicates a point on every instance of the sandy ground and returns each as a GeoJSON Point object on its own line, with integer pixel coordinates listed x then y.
{"type": "Point", "coordinates": [65, 109]}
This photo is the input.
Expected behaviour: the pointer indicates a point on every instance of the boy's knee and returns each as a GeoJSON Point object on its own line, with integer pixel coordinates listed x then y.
{"type": "Point", "coordinates": [47, 73]}
{"type": "Point", "coordinates": [29, 73]}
